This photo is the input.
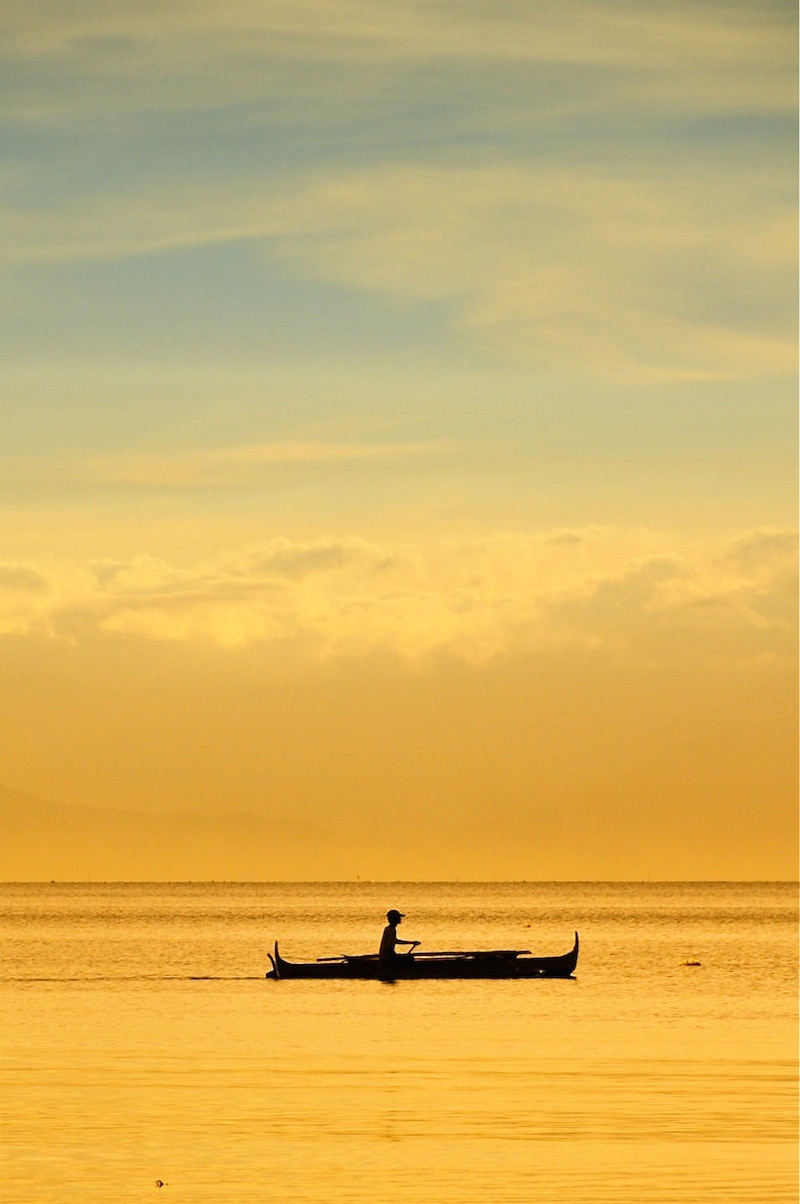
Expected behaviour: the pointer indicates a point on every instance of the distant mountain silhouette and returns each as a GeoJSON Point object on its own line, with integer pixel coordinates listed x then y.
{"type": "Point", "coordinates": [40, 841]}
{"type": "Point", "coordinates": [719, 804]}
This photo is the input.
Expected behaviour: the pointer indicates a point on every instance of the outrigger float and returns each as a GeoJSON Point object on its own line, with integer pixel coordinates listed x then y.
{"type": "Point", "coordinates": [468, 963]}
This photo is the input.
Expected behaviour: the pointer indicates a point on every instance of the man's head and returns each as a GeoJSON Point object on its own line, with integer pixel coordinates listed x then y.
{"type": "Point", "coordinates": [394, 917]}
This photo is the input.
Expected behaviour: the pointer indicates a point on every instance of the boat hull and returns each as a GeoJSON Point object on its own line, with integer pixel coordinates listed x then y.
{"type": "Point", "coordinates": [408, 966]}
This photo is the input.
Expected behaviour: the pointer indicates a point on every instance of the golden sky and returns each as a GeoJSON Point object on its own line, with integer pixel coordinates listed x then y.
{"type": "Point", "coordinates": [399, 432]}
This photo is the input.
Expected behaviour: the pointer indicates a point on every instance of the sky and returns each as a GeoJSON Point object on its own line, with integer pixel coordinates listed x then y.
{"type": "Point", "coordinates": [399, 427]}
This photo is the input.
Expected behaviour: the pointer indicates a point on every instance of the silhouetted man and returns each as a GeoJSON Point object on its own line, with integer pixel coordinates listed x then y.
{"type": "Point", "coordinates": [390, 940]}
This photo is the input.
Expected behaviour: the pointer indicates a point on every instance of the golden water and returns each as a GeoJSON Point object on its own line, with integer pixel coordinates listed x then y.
{"type": "Point", "coordinates": [141, 1043]}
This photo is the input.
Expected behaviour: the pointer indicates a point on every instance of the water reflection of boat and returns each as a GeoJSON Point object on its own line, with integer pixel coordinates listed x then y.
{"type": "Point", "coordinates": [477, 963]}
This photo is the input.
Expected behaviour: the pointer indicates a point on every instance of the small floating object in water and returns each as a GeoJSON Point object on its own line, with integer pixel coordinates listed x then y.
{"type": "Point", "coordinates": [691, 962]}
{"type": "Point", "coordinates": [161, 1183]}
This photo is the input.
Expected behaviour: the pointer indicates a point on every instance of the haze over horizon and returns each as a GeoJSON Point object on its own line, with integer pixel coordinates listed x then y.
{"type": "Point", "coordinates": [400, 437]}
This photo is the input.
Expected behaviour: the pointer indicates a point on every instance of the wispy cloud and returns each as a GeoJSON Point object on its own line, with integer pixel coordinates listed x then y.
{"type": "Point", "coordinates": [627, 266]}
{"type": "Point", "coordinates": [627, 278]}
{"type": "Point", "coordinates": [223, 466]}
{"type": "Point", "coordinates": [716, 53]}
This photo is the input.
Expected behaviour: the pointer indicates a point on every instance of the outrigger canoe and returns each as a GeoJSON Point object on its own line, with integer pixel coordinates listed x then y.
{"type": "Point", "coordinates": [489, 963]}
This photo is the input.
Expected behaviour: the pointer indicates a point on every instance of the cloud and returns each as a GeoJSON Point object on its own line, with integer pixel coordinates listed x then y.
{"type": "Point", "coordinates": [762, 552]}
{"type": "Point", "coordinates": [734, 605]}
{"type": "Point", "coordinates": [21, 578]}
{"type": "Point", "coordinates": [560, 265]}
{"type": "Point", "coordinates": [38, 598]}
{"type": "Point", "coordinates": [601, 591]}
{"type": "Point", "coordinates": [282, 558]}
{"type": "Point", "coordinates": [646, 280]}
{"type": "Point", "coordinates": [697, 50]}
{"type": "Point", "coordinates": [214, 467]}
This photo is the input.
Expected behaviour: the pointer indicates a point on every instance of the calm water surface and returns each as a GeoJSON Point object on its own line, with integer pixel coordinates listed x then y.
{"type": "Point", "coordinates": [141, 1042]}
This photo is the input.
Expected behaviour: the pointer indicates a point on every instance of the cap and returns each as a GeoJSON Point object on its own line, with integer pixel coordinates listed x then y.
{"type": "Point", "coordinates": [393, 916]}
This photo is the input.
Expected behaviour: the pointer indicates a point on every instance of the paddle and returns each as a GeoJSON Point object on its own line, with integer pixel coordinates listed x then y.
{"type": "Point", "coordinates": [365, 957]}
{"type": "Point", "coordinates": [475, 953]}
{"type": "Point", "coordinates": [350, 957]}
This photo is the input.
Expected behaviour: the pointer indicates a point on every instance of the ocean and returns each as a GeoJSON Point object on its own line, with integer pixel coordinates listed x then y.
{"type": "Point", "coordinates": [142, 1046]}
